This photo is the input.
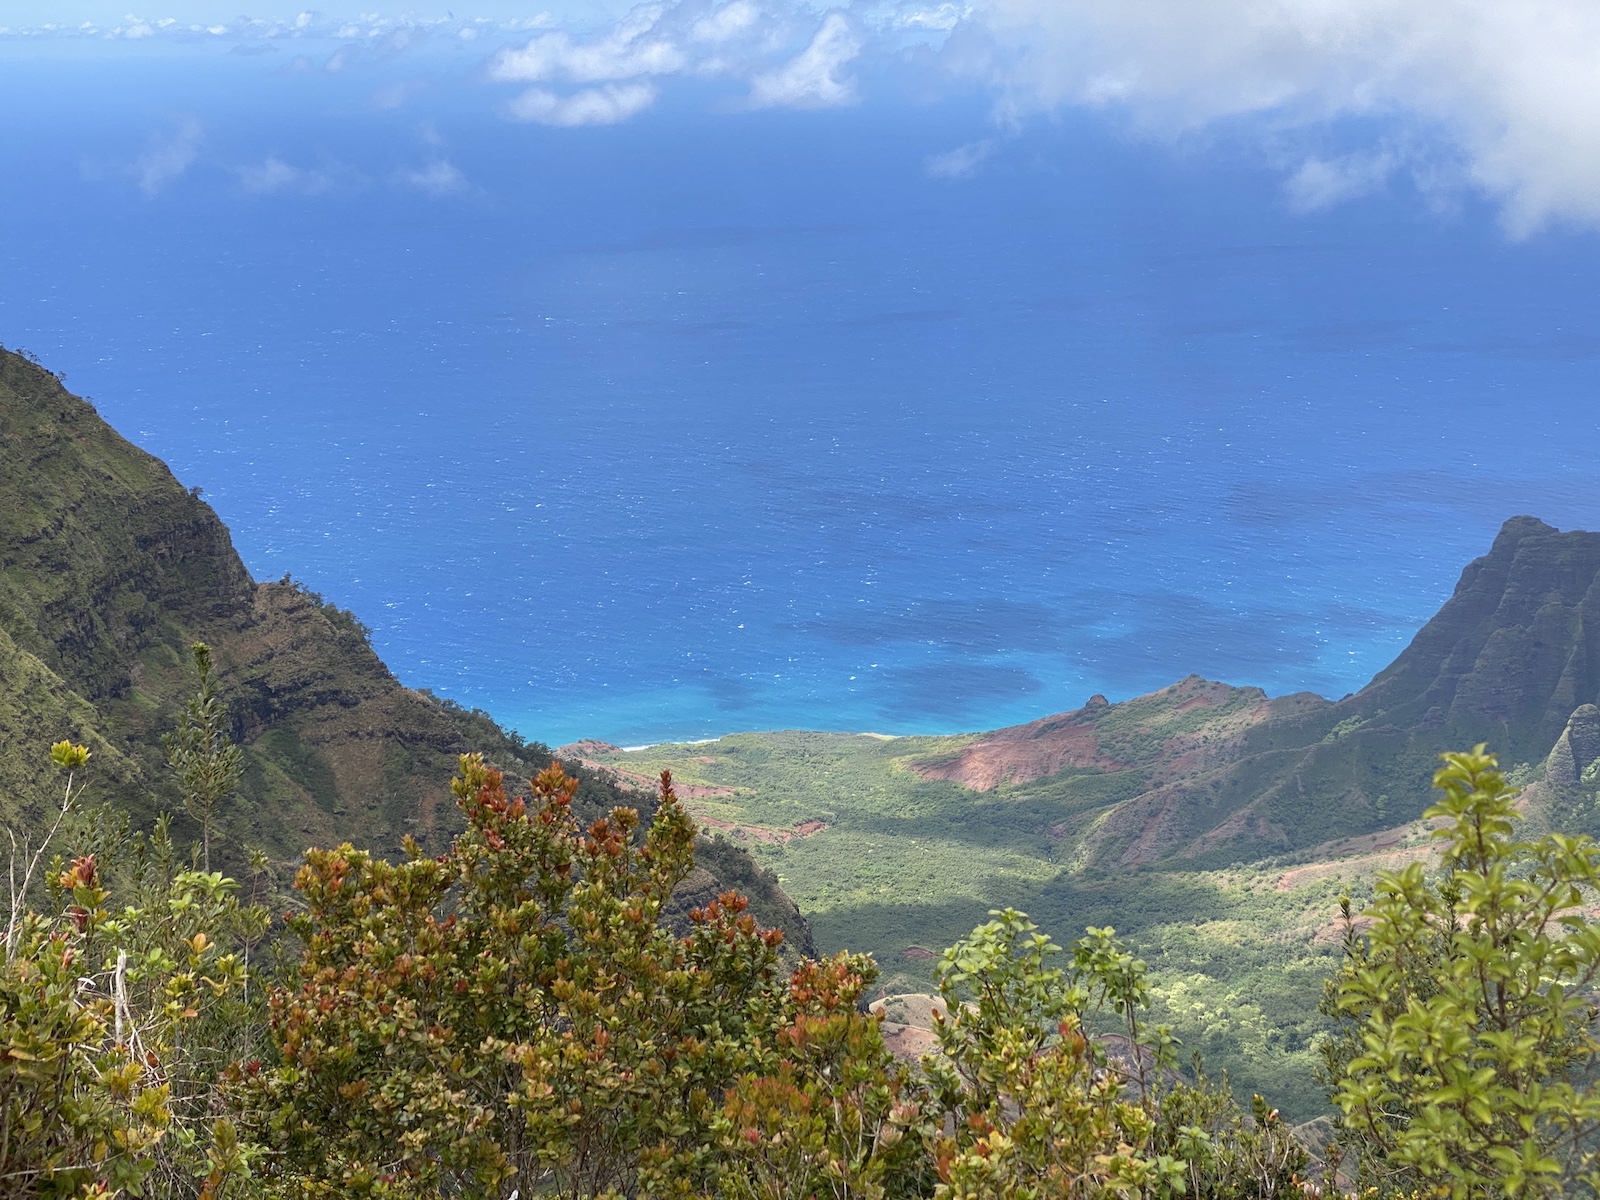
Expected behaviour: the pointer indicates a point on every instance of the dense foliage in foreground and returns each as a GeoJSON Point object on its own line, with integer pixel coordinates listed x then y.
{"type": "Point", "coordinates": [518, 1016]}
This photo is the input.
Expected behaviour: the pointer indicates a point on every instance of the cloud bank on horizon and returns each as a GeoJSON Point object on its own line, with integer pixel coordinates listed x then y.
{"type": "Point", "coordinates": [1450, 95]}
{"type": "Point", "coordinates": [1503, 96]}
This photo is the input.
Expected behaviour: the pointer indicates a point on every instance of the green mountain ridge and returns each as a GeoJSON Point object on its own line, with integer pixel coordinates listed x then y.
{"type": "Point", "coordinates": [110, 569]}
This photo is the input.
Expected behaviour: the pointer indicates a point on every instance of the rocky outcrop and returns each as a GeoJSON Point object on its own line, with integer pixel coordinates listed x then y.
{"type": "Point", "coordinates": [1576, 750]}
{"type": "Point", "coordinates": [1170, 734]}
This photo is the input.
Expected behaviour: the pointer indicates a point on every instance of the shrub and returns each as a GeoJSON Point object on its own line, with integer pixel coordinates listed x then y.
{"type": "Point", "coordinates": [115, 1027]}
{"type": "Point", "coordinates": [1034, 1104]}
{"type": "Point", "coordinates": [830, 1112]}
{"type": "Point", "coordinates": [1467, 1061]}
{"type": "Point", "coordinates": [512, 1014]}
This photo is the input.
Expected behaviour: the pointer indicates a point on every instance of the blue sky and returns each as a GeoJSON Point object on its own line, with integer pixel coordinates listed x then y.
{"type": "Point", "coordinates": [1467, 97]}
{"type": "Point", "coordinates": [109, 13]}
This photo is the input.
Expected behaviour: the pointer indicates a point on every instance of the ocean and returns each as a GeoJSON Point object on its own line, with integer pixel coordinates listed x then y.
{"type": "Point", "coordinates": [722, 419]}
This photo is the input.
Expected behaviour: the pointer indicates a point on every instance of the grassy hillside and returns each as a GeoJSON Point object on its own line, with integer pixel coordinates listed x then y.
{"type": "Point", "coordinates": [38, 708]}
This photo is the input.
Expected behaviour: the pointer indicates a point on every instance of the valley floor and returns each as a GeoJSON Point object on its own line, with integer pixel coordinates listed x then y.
{"type": "Point", "coordinates": [883, 860]}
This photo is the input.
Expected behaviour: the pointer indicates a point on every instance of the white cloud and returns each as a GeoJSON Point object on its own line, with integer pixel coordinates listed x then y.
{"type": "Point", "coordinates": [811, 79]}
{"type": "Point", "coordinates": [167, 159]}
{"type": "Point", "coordinates": [438, 179]}
{"type": "Point", "coordinates": [632, 49]}
{"type": "Point", "coordinates": [395, 95]}
{"type": "Point", "coordinates": [1324, 182]}
{"type": "Point", "coordinates": [645, 45]}
{"type": "Point", "coordinates": [960, 162]}
{"type": "Point", "coordinates": [275, 176]}
{"type": "Point", "coordinates": [786, 58]}
{"type": "Point", "coordinates": [728, 22]}
{"type": "Point", "coordinates": [943, 17]}
{"type": "Point", "coordinates": [1347, 96]}
{"type": "Point", "coordinates": [592, 106]}
{"type": "Point", "coordinates": [1512, 85]}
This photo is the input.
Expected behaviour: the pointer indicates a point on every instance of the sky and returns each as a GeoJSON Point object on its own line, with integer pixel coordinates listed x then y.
{"type": "Point", "coordinates": [1446, 97]}
{"type": "Point", "coordinates": [109, 13]}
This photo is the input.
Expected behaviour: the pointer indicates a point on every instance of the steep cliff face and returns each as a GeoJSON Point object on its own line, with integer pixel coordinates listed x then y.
{"type": "Point", "coordinates": [103, 555]}
{"type": "Point", "coordinates": [110, 569]}
{"type": "Point", "coordinates": [1512, 653]}
{"type": "Point", "coordinates": [1506, 660]}
{"type": "Point", "coordinates": [1576, 751]}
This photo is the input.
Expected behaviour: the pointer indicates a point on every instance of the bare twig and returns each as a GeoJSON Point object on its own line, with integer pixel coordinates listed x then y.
{"type": "Point", "coordinates": [19, 893]}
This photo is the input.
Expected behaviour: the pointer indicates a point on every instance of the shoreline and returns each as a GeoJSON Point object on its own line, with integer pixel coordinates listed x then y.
{"type": "Point", "coordinates": [867, 733]}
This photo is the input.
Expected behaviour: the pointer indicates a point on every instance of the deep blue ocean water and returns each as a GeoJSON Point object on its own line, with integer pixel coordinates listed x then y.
{"type": "Point", "coordinates": [722, 420]}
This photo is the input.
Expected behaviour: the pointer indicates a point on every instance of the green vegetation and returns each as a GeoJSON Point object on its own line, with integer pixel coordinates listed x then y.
{"type": "Point", "coordinates": [116, 1024]}
{"type": "Point", "coordinates": [1037, 1108]}
{"type": "Point", "coordinates": [889, 834]}
{"type": "Point", "coordinates": [518, 1016]}
{"type": "Point", "coordinates": [1215, 828]}
{"type": "Point", "coordinates": [200, 753]}
{"type": "Point", "coordinates": [907, 865]}
{"type": "Point", "coordinates": [1469, 1056]}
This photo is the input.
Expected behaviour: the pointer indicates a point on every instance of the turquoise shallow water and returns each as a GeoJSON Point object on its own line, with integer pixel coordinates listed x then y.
{"type": "Point", "coordinates": [721, 420]}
